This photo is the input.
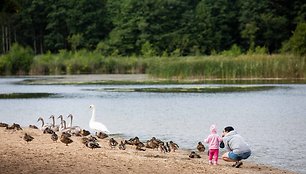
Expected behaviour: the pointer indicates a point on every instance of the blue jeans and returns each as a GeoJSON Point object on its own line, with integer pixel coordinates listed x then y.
{"type": "Point", "coordinates": [239, 157]}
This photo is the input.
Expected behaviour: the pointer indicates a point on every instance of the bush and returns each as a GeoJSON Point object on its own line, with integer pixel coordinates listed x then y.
{"type": "Point", "coordinates": [18, 60]}
{"type": "Point", "coordinates": [234, 51]}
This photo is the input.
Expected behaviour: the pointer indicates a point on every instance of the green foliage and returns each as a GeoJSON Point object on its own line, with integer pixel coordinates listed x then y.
{"type": "Point", "coordinates": [297, 43]}
{"type": "Point", "coordinates": [147, 50]}
{"type": "Point", "coordinates": [234, 51]}
{"type": "Point", "coordinates": [75, 41]}
{"type": "Point", "coordinates": [17, 61]}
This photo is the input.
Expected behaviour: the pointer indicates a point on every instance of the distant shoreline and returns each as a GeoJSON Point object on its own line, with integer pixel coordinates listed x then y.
{"type": "Point", "coordinates": [142, 79]}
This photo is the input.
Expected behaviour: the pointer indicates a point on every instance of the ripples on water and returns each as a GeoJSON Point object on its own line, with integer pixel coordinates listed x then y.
{"type": "Point", "coordinates": [273, 122]}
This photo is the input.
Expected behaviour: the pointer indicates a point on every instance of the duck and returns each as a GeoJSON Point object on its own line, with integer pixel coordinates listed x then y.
{"type": "Point", "coordinates": [200, 147]}
{"type": "Point", "coordinates": [93, 124]}
{"type": "Point", "coordinates": [162, 147]}
{"type": "Point", "coordinates": [139, 146]}
{"type": "Point", "coordinates": [66, 140]}
{"type": "Point", "coordinates": [151, 144]}
{"type": "Point", "coordinates": [92, 144]}
{"type": "Point", "coordinates": [33, 126]}
{"type": "Point", "coordinates": [54, 127]}
{"type": "Point", "coordinates": [14, 126]}
{"type": "Point", "coordinates": [27, 137]}
{"type": "Point", "coordinates": [168, 149]}
{"type": "Point", "coordinates": [48, 130]}
{"type": "Point", "coordinates": [3, 124]}
{"type": "Point", "coordinates": [84, 132]}
{"type": "Point", "coordinates": [54, 137]}
{"type": "Point", "coordinates": [193, 154]}
{"type": "Point", "coordinates": [101, 135]}
{"type": "Point", "coordinates": [122, 145]}
{"type": "Point", "coordinates": [173, 146]}
{"type": "Point", "coordinates": [113, 143]}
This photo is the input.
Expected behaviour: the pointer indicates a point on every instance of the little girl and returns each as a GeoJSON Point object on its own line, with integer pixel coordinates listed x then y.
{"type": "Point", "coordinates": [213, 141]}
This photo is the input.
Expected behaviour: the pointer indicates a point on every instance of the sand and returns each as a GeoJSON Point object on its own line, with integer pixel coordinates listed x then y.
{"type": "Point", "coordinates": [42, 155]}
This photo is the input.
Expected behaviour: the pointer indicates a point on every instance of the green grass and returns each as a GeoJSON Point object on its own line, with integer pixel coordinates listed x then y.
{"type": "Point", "coordinates": [220, 67]}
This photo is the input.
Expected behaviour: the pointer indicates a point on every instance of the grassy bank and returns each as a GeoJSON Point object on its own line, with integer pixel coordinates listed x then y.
{"type": "Point", "coordinates": [220, 67]}
{"type": "Point", "coordinates": [255, 66]}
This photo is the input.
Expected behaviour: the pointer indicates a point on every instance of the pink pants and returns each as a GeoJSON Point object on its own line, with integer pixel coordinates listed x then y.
{"type": "Point", "coordinates": [213, 153]}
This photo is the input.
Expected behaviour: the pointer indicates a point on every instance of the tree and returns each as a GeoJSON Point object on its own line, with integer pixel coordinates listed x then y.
{"type": "Point", "coordinates": [8, 10]}
{"type": "Point", "coordinates": [297, 42]}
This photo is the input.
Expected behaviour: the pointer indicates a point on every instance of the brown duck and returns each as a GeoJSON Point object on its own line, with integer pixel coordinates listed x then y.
{"type": "Point", "coordinates": [92, 144]}
{"type": "Point", "coordinates": [194, 155]}
{"type": "Point", "coordinates": [173, 146]}
{"type": "Point", "coordinates": [200, 147]}
{"type": "Point", "coordinates": [3, 125]}
{"type": "Point", "coordinates": [84, 132]}
{"type": "Point", "coordinates": [33, 126]}
{"type": "Point", "coordinates": [27, 137]}
{"type": "Point", "coordinates": [122, 145]}
{"type": "Point", "coordinates": [66, 140]}
{"type": "Point", "coordinates": [101, 135]}
{"type": "Point", "coordinates": [113, 143]}
{"type": "Point", "coordinates": [54, 137]}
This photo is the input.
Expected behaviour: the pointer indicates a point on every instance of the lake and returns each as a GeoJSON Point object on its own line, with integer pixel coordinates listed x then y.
{"type": "Point", "coordinates": [273, 121]}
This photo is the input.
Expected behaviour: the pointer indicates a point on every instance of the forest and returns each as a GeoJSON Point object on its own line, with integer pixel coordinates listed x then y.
{"type": "Point", "coordinates": [106, 33]}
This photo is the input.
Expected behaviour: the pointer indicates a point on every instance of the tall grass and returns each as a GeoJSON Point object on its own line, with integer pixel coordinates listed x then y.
{"type": "Point", "coordinates": [23, 61]}
{"type": "Point", "coordinates": [85, 62]}
{"type": "Point", "coordinates": [243, 66]}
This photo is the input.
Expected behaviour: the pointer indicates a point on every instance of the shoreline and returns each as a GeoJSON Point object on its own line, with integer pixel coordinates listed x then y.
{"type": "Point", "coordinates": [126, 79]}
{"type": "Point", "coordinates": [44, 155]}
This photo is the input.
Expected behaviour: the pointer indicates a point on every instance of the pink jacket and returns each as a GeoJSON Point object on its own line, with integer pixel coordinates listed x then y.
{"type": "Point", "coordinates": [213, 139]}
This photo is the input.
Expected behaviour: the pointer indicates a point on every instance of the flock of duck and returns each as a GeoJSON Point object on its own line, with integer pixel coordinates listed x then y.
{"type": "Point", "coordinates": [67, 131]}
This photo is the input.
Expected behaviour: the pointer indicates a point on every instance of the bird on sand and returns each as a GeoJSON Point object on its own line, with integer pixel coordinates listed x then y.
{"type": "Point", "coordinates": [92, 144]}
{"type": "Point", "coordinates": [113, 143]}
{"type": "Point", "coordinates": [54, 137]}
{"type": "Point", "coordinates": [200, 147]}
{"type": "Point", "coordinates": [122, 145]}
{"type": "Point", "coordinates": [193, 154]}
{"type": "Point", "coordinates": [173, 146]}
{"type": "Point", "coordinates": [95, 125]}
{"type": "Point", "coordinates": [66, 140]}
{"type": "Point", "coordinates": [84, 132]}
{"type": "Point", "coordinates": [101, 135]}
{"type": "Point", "coordinates": [27, 137]}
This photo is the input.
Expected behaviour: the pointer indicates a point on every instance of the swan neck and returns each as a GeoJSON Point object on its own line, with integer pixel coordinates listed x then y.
{"type": "Point", "coordinates": [53, 122]}
{"type": "Point", "coordinates": [42, 123]}
{"type": "Point", "coordinates": [93, 116]}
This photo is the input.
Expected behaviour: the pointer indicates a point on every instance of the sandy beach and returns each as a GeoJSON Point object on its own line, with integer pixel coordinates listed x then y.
{"type": "Point", "coordinates": [42, 155]}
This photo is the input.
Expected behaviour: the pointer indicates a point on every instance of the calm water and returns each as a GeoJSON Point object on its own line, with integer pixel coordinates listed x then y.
{"type": "Point", "coordinates": [273, 122]}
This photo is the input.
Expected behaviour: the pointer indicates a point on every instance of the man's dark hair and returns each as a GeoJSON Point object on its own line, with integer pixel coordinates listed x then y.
{"type": "Point", "coordinates": [228, 129]}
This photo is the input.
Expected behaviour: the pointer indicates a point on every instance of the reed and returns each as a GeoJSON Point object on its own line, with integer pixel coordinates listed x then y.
{"type": "Point", "coordinates": [221, 67]}
{"type": "Point", "coordinates": [85, 62]}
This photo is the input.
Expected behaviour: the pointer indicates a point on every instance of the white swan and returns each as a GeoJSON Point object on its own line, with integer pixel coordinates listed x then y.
{"type": "Point", "coordinates": [93, 124]}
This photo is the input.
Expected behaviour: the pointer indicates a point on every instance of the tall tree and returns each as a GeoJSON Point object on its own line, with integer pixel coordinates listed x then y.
{"type": "Point", "coordinates": [8, 10]}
